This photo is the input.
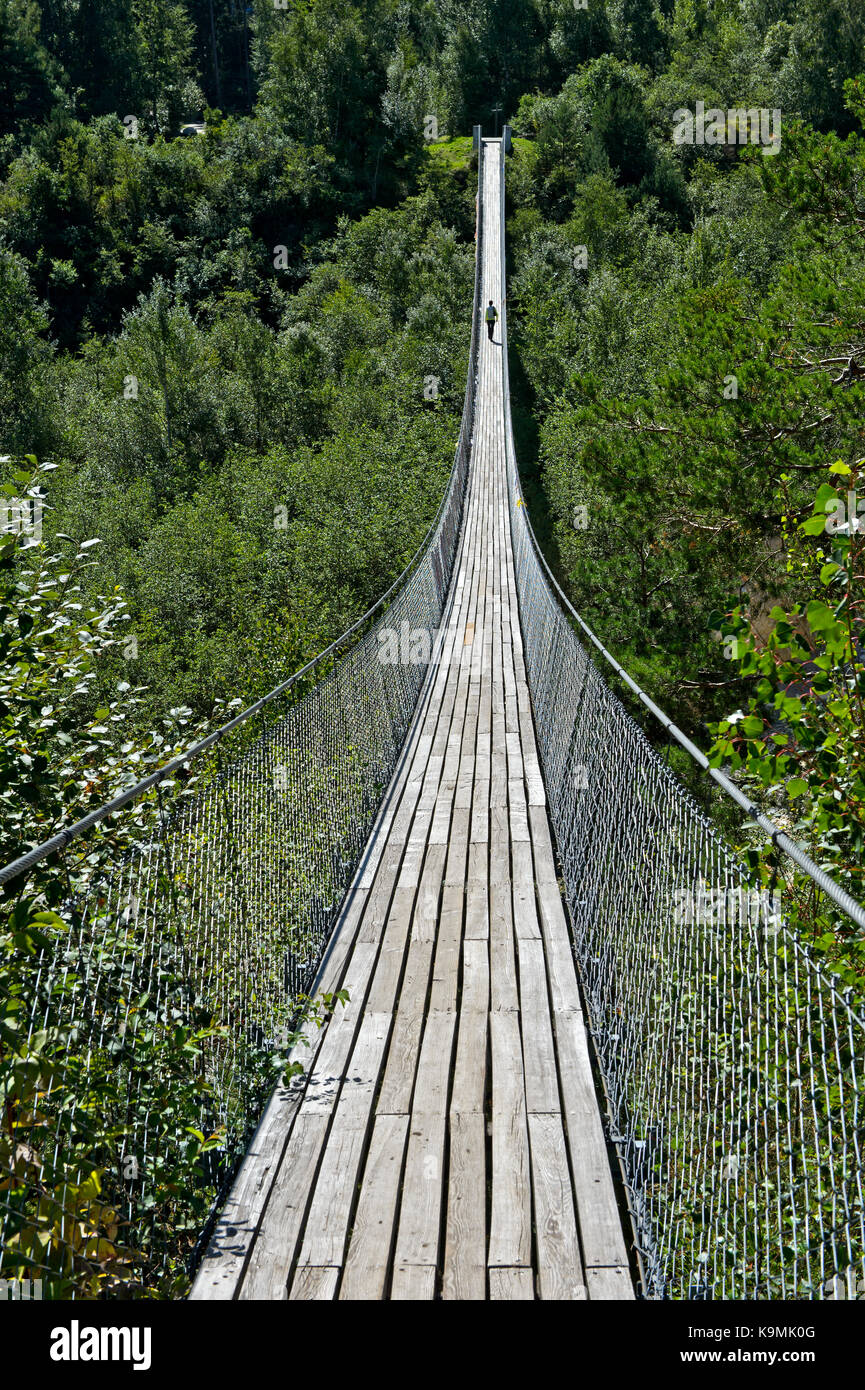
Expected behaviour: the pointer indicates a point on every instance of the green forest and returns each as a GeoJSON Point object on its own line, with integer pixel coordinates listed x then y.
{"type": "Point", "coordinates": [236, 268]}
{"type": "Point", "coordinates": [219, 346]}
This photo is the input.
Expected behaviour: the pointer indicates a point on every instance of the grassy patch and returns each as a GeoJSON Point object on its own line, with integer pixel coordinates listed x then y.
{"type": "Point", "coordinates": [453, 154]}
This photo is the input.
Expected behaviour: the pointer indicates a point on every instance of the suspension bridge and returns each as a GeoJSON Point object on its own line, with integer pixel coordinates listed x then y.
{"type": "Point", "coordinates": [579, 1057]}
{"type": "Point", "coordinates": [462, 1054]}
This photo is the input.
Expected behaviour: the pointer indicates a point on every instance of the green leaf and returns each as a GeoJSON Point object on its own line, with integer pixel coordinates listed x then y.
{"type": "Point", "coordinates": [797, 786]}
{"type": "Point", "coordinates": [819, 615]}
{"type": "Point", "coordinates": [826, 497]}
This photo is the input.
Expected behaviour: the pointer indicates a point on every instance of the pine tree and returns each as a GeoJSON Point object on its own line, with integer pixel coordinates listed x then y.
{"type": "Point", "coordinates": [27, 79]}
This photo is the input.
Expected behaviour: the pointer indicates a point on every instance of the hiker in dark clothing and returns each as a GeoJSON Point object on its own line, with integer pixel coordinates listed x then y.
{"type": "Point", "coordinates": [491, 315]}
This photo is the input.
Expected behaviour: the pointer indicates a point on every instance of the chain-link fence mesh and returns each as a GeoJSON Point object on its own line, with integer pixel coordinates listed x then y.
{"type": "Point", "coordinates": [733, 1064]}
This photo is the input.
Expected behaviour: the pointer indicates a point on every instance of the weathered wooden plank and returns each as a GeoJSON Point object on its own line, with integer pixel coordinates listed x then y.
{"type": "Point", "coordinates": [446, 967]}
{"type": "Point", "coordinates": [361, 1076]}
{"type": "Point", "coordinates": [395, 1096]}
{"type": "Point", "coordinates": [327, 1223]}
{"type": "Point", "coordinates": [525, 907]}
{"type": "Point", "coordinates": [510, 1217]}
{"type": "Point", "coordinates": [500, 845]}
{"type": "Point", "coordinates": [539, 1051]}
{"type": "Point", "coordinates": [607, 1284]}
{"type": "Point", "coordinates": [560, 1274]}
{"type": "Point", "coordinates": [458, 848]}
{"type": "Point", "coordinates": [564, 990]}
{"type": "Point", "coordinates": [480, 829]}
{"type": "Point", "coordinates": [383, 991]}
{"type": "Point", "coordinates": [600, 1227]}
{"type": "Point", "coordinates": [511, 1285]}
{"type": "Point", "coordinates": [413, 1283]}
{"type": "Point", "coordinates": [535, 793]}
{"type": "Point", "coordinates": [336, 1041]}
{"type": "Point", "coordinates": [420, 1210]}
{"type": "Point", "coordinates": [475, 996]}
{"type": "Point", "coordinates": [379, 895]}
{"type": "Point", "coordinates": [369, 1253]}
{"type": "Point", "coordinates": [273, 1251]}
{"type": "Point", "coordinates": [315, 1285]}
{"type": "Point", "coordinates": [518, 811]}
{"type": "Point", "coordinates": [424, 919]}
{"type": "Point", "coordinates": [465, 1275]}
{"type": "Point", "coordinates": [513, 744]}
{"type": "Point", "coordinates": [503, 964]}
{"type": "Point", "coordinates": [434, 1067]}
{"type": "Point", "coordinates": [499, 779]}
{"type": "Point", "coordinates": [470, 1068]}
{"type": "Point", "coordinates": [477, 925]}
{"type": "Point", "coordinates": [417, 1241]}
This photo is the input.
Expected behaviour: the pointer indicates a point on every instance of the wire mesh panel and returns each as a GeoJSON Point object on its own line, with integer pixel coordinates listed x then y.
{"type": "Point", "coordinates": [733, 1064]}
{"type": "Point", "coordinates": [160, 1007]}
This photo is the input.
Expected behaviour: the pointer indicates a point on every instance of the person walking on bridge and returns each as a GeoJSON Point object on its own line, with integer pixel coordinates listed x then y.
{"type": "Point", "coordinates": [491, 314]}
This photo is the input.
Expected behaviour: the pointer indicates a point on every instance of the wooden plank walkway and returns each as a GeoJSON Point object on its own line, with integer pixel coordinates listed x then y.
{"type": "Point", "coordinates": [446, 1141]}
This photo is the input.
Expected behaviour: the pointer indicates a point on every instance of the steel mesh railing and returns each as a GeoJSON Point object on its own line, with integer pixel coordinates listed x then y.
{"type": "Point", "coordinates": [733, 1064]}
{"type": "Point", "coordinates": [158, 1012]}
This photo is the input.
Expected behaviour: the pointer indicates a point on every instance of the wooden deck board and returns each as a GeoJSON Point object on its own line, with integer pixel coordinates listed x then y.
{"type": "Point", "coordinates": [369, 1253]}
{"type": "Point", "coordinates": [511, 1206]}
{"type": "Point", "coordinates": [509, 1285]}
{"type": "Point", "coordinates": [560, 1276]}
{"type": "Point", "coordinates": [465, 1274]}
{"type": "Point", "coordinates": [446, 1140]}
